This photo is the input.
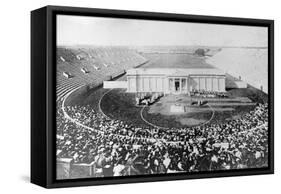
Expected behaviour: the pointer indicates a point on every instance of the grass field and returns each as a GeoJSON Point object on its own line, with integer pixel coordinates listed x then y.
{"type": "Point", "coordinates": [121, 105]}
{"type": "Point", "coordinates": [118, 104]}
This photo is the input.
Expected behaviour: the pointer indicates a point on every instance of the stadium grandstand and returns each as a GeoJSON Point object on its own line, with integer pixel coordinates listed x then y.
{"type": "Point", "coordinates": [99, 63]}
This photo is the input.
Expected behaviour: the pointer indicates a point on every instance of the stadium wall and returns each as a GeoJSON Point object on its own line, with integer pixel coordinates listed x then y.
{"type": "Point", "coordinates": [114, 84]}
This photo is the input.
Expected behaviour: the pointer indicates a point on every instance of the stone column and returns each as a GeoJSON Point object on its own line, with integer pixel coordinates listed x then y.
{"type": "Point", "coordinates": [174, 88]}
{"type": "Point", "coordinates": [187, 85]}
{"type": "Point", "coordinates": [180, 85]}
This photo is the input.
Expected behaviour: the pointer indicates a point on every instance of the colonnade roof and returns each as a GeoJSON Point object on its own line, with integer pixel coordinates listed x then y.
{"type": "Point", "coordinates": [172, 60]}
{"type": "Point", "coordinates": [175, 71]}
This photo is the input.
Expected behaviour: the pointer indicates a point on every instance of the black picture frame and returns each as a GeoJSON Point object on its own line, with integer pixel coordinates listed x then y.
{"type": "Point", "coordinates": [43, 94]}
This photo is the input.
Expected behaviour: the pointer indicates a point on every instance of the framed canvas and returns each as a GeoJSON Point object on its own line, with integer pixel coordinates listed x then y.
{"type": "Point", "coordinates": [125, 96]}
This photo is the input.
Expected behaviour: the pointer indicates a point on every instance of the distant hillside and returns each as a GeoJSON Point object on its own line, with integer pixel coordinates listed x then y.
{"type": "Point", "coordinates": [249, 63]}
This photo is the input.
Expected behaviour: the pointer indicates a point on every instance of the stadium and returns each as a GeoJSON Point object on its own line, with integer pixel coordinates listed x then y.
{"type": "Point", "coordinates": [154, 110]}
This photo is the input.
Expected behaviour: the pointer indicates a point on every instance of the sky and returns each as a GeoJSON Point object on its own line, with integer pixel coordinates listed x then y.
{"type": "Point", "coordinates": [101, 31]}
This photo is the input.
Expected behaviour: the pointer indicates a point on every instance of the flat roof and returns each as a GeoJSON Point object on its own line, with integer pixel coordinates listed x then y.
{"type": "Point", "coordinates": [175, 60]}
{"type": "Point", "coordinates": [175, 71]}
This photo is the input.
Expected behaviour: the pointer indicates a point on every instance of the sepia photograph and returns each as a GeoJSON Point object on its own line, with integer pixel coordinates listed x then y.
{"type": "Point", "coordinates": [138, 97]}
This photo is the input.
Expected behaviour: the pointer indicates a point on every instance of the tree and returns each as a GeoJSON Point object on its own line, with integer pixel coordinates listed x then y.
{"type": "Point", "coordinates": [200, 52]}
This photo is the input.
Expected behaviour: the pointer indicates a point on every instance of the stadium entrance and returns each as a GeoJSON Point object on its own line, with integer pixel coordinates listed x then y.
{"type": "Point", "coordinates": [178, 85]}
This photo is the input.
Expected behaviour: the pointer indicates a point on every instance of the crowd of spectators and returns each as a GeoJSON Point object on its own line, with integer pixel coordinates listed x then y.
{"type": "Point", "coordinates": [208, 94]}
{"type": "Point", "coordinates": [120, 149]}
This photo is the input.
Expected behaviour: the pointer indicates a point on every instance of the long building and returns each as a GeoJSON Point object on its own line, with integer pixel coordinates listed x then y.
{"type": "Point", "coordinates": [175, 80]}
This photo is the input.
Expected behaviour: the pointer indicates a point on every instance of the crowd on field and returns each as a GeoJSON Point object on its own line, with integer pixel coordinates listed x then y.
{"type": "Point", "coordinates": [119, 149]}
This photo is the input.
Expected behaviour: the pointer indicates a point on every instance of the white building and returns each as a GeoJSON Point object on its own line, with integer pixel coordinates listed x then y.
{"type": "Point", "coordinates": [175, 80]}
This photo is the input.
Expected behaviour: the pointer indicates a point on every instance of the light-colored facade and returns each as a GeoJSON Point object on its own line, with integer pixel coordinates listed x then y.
{"type": "Point", "coordinates": [176, 81]}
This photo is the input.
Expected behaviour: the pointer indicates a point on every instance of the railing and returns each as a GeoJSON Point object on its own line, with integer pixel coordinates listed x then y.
{"type": "Point", "coordinates": [67, 169]}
